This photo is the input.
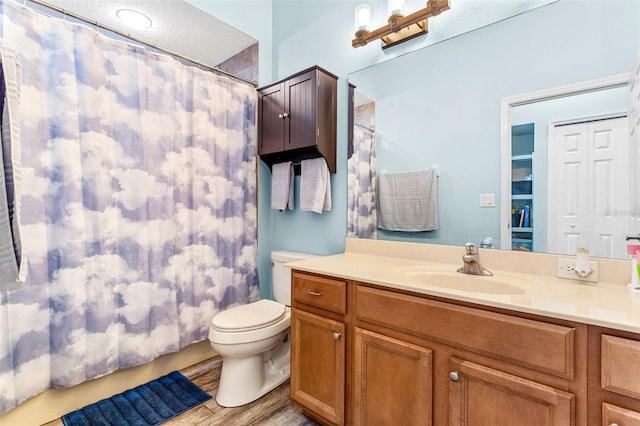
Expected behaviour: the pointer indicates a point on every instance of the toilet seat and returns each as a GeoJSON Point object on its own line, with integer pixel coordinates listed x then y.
{"type": "Point", "coordinates": [273, 319]}
{"type": "Point", "coordinates": [251, 316]}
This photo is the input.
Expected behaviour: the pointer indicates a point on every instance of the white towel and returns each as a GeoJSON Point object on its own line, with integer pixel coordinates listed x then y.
{"type": "Point", "coordinates": [282, 186]}
{"type": "Point", "coordinates": [315, 185]}
{"type": "Point", "coordinates": [13, 261]}
{"type": "Point", "coordinates": [408, 201]}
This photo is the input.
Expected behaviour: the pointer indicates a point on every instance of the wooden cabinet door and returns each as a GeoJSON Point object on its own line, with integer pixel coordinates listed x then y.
{"type": "Point", "coordinates": [614, 415]}
{"type": "Point", "coordinates": [271, 120]}
{"type": "Point", "coordinates": [479, 395]}
{"type": "Point", "coordinates": [300, 123]}
{"type": "Point", "coordinates": [620, 370]}
{"type": "Point", "coordinates": [393, 381]}
{"type": "Point", "coordinates": [318, 365]}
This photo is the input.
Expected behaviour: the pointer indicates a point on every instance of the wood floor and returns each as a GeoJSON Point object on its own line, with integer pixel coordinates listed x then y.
{"type": "Point", "coordinates": [273, 409]}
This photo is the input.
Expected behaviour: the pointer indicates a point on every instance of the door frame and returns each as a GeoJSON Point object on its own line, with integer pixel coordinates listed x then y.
{"type": "Point", "coordinates": [506, 103]}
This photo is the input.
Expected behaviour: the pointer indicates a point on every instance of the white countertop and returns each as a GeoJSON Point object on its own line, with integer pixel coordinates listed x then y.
{"type": "Point", "coordinates": [603, 304]}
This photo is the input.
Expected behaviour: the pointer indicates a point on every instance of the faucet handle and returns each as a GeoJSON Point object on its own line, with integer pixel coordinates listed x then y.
{"type": "Point", "coordinates": [471, 248]}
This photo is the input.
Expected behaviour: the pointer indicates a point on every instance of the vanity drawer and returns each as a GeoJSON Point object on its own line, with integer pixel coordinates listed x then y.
{"type": "Point", "coordinates": [620, 369]}
{"type": "Point", "coordinates": [544, 347]}
{"type": "Point", "coordinates": [325, 293]}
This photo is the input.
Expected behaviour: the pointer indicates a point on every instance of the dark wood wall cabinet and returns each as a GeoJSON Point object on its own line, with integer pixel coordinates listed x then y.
{"type": "Point", "coordinates": [297, 118]}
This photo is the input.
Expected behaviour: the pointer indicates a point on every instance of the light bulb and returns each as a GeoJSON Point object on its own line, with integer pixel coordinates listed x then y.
{"type": "Point", "coordinates": [363, 17]}
{"type": "Point", "coordinates": [394, 7]}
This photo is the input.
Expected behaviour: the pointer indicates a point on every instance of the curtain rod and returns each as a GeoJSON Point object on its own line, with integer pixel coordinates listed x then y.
{"type": "Point", "coordinates": [137, 40]}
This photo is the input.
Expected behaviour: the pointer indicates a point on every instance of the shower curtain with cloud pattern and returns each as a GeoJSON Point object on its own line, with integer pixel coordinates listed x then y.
{"type": "Point", "coordinates": [361, 181]}
{"type": "Point", "coordinates": [138, 205]}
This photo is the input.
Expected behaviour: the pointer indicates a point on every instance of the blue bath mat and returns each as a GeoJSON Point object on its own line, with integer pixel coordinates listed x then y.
{"type": "Point", "coordinates": [149, 404]}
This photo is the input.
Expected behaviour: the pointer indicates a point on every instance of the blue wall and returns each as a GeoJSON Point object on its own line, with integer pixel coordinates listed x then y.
{"type": "Point", "coordinates": [294, 35]}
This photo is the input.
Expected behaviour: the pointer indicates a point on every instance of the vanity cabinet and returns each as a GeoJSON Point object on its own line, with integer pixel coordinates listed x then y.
{"type": "Point", "coordinates": [297, 118]}
{"type": "Point", "coordinates": [319, 346]}
{"type": "Point", "coordinates": [488, 367]}
{"type": "Point", "coordinates": [420, 360]}
{"type": "Point", "coordinates": [403, 357]}
{"type": "Point", "coordinates": [614, 377]}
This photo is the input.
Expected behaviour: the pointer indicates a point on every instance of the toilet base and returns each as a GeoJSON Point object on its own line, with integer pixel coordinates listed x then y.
{"type": "Point", "coordinates": [243, 380]}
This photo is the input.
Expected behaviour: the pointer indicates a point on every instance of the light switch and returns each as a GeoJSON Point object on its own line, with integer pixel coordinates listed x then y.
{"type": "Point", "coordinates": [488, 200]}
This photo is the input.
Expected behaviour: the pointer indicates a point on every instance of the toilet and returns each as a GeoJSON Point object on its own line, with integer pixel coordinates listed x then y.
{"type": "Point", "coordinates": [253, 339]}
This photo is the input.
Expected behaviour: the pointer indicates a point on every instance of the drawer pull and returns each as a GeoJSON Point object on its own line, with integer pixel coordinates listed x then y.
{"type": "Point", "coordinates": [336, 336]}
{"type": "Point", "coordinates": [454, 376]}
{"type": "Point", "coordinates": [313, 293]}
{"type": "Point", "coordinates": [613, 424]}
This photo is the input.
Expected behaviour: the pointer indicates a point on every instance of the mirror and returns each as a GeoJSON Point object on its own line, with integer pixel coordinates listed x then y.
{"type": "Point", "coordinates": [440, 107]}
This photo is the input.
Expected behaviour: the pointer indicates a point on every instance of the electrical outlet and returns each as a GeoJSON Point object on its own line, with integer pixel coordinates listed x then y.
{"type": "Point", "coordinates": [566, 269]}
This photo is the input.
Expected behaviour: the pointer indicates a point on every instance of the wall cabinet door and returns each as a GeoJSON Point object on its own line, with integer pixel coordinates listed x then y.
{"type": "Point", "coordinates": [270, 119]}
{"type": "Point", "coordinates": [300, 101]}
{"type": "Point", "coordinates": [393, 381]}
{"type": "Point", "coordinates": [479, 395]}
{"type": "Point", "coordinates": [318, 353]}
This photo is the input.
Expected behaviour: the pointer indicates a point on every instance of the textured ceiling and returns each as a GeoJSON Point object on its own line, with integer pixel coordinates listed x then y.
{"type": "Point", "coordinates": [177, 26]}
{"type": "Point", "coordinates": [183, 28]}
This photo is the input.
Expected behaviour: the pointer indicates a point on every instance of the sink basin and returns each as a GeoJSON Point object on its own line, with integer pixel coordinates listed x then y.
{"type": "Point", "coordinates": [465, 282]}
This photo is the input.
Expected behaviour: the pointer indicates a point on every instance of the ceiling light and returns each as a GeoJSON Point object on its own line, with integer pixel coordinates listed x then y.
{"type": "Point", "coordinates": [134, 19]}
{"type": "Point", "coordinates": [399, 27]}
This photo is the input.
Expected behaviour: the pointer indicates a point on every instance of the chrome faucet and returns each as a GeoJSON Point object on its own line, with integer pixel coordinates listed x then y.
{"type": "Point", "coordinates": [472, 263]}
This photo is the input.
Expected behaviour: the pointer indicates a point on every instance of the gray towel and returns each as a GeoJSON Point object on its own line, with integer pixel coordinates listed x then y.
{"type": "Point", "coordinates": [13, 262]}
{"type": "Point", "coordinates": [282, 186]}
{"type": "Point", "coordinates": [408, 201]}
{"type": "Point", "coordinates": [315, 185]}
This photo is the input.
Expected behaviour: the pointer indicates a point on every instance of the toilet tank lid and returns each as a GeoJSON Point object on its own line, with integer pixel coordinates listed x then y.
{"type": "Point", "coordinates": [249, 317]}
{"type": "Point", "coordinates": [289, 256]}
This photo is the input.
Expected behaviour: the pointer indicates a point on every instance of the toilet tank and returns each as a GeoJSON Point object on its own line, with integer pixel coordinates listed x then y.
{"type": "Point", "coordinates": [281, 275]}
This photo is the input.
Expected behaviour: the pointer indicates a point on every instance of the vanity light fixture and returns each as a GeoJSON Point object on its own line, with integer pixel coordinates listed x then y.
{"type": "Point", "coordinates": [134, 19]}
{"type": "Point", "coordinates": [399, 28]}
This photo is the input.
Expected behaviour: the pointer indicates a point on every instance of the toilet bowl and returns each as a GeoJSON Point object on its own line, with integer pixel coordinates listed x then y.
{"type": "Point", "coordinates": [253, 340]}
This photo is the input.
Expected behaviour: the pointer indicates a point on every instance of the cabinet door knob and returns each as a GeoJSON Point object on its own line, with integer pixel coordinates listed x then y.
{"type": "Point", "coordinates": [613, 424]}
{"type": "Point", "coordinates": [336, 336]}
{"type": "Point", "coordinates": [314, 293]}
{"type": "Point", "coordinates": [454, 376]}
{"type": "Point", "coordinates": [280, 115]}
{"type": "Point", "coordinates": [285, 115]}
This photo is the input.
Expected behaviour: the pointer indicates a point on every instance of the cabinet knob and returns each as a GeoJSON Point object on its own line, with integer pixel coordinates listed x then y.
{"type": "Point", "coordinates": [285, 115]}
{"type": "Point", "coordinates": [573, 225]}
{"type": "Point", "coordinates": [336, 336]}
{"type": "Point", "coordinates": [280, 115]}
{"type": "Point", "coordinates": [613, 424]}
{"type": "Point", "coordinates": [314, 293]}
{"type": "Point", "coordinates": [454, 376]}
